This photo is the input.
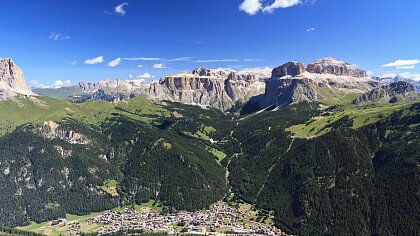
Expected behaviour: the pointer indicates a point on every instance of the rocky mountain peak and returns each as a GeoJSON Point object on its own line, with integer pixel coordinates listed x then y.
{"type": "Point", "coordinates": [12, 80]}
{"type": "Point", "coordinates": [392, 93]}
{"type": "Point", "coordinates": [333, 66]}
{"type": "Point", "coordinates": [202, 71]}
{"type": "Point", "coordinates": [292, 68]}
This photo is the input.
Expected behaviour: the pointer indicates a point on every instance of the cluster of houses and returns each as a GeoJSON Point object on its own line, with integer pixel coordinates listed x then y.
{"type": "Point", "coordinates": [219, 219]}
{"type": "Point", "coordinates": [73, 226]}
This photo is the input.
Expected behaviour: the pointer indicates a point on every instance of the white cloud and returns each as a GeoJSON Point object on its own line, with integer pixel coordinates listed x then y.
{"type": "Point", "coordinates": [281, 4]}
{"type": "Point", "coordinates": [401, 63]}
{"type": "Point", "coordinates": [96, 60]}
{"type": "Point", "coordinates": [159, 66]}
{"type": "Point", "coordinates": [145, 76]}
{"type": "Point", "coordinates": [60, 84]}
{"type": "Point", "coordinates": [142, 59]}
{"type": "Point", "coordinates": [310, 29]}
{"type": "Point", "coordinates": [36, 84]}
{"type": "Point", "coordinates": [252, 7]}
{"type": "Point", "coordinates": [406, 67]}
{"type": "Point", "coordinates": [120, 9]}
{"type": "Point", "coordinates": [140, 66]}
{"type": "Point", "coordinates": [114, 63]}
{"type": "Point", "coordinates": [217, 60]}
{"type": "Point", "coordinates": [58, 36]}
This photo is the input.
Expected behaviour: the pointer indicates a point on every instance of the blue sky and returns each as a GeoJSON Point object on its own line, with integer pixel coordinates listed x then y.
{"type": "Point", "coordinates": [76, 40]}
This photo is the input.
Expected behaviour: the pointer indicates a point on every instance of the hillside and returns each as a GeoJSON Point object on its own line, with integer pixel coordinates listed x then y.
{"type": "Point", "coordinates": [53, 165]}
{"type": "Point", "coordinates": [315, 160]}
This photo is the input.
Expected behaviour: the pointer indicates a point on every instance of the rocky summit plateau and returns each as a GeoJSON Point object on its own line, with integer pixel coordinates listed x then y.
{"type": "Point", "coordinates": [326, 80]}
{"type": "Point", "coordinates": [220, 89]}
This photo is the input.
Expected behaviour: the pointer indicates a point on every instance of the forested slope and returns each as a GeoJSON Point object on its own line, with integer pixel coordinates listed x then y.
{"type": "Point", "coordinates": [364, 181]}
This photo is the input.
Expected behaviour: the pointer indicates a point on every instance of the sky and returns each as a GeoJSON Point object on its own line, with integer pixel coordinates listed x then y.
{"type": "Point", "coordinates": [62, 42]}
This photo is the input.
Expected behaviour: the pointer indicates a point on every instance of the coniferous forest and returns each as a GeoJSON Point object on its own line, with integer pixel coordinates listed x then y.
{"type": "Point", "coordinates": [354, 181]}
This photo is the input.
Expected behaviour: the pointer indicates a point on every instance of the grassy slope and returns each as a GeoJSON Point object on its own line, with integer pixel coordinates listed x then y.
{"type": "Point", "coordinates": [22, 110]}
{"type": "Point", "coordinates": [360, 115]}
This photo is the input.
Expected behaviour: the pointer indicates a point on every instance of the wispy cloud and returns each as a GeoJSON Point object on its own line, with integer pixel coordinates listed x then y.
{"type": "Point", "coordinates": [72, 63]}
{"type": "Point", "coordinates": [145, 76]}
{"type": "Point", "coordinates": [159, 66]}
{"type": "Point", "coordinates": [217, 60]}
{"type": "Point", "coordinates": [403, 64]}
{"type": "Point", "coordinates": [281, 4]}
{"type": "Point", "coordinates": [140, 66]}
{"type": "Point", "coordinates": [252, 7]}
{"type": "Point", "coordinates": [114, 63]}
{"type": "Point", "coordinates": [93, 61]}
{"type": "Point", "coordinates": [310, 29]}
{"type": "Point", "coordinates": [251, 59]}
{"type": "Point", "coordinates": [142, 59]}
{"type": "Point", "coordinates": [406, 67]}
{"type": "Point", "coordinates": [181, 59]}
{"type": "Point", "coordinates": [120, 9]}
{"type": "Point", "coordinates": [58, 36]}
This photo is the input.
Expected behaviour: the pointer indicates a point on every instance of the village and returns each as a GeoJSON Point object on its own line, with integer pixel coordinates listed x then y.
{"type": "Point", "coordinates": [219, 219]}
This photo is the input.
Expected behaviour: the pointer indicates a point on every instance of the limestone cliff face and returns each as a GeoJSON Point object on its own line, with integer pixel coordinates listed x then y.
{"type": "Point", "coordinates": [392, 93]}
{"type": "Point", "coordinates": [12, 80]}
{"type": "Point", "coordinates": [220, 89]}
{"type": "Point", "coordinates": [326, 80]}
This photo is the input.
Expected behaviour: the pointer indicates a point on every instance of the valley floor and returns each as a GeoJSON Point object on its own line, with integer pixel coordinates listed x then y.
{"type": "Point", "coordinates": [220, 219]}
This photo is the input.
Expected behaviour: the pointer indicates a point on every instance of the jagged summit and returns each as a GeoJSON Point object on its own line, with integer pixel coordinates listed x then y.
{"type": "Point", "coordinates": [12, 80]}
{"type": "Point", "coordinates": [392, 93]}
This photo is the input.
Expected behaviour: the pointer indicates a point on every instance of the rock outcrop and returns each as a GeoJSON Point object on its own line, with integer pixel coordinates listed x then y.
{"type": "Point", "coordinates": [335, 67]}
{"type": "Point", "coordinates": [220, 89]}
{"type": "Point", "coordinates": [293, 68]}
{"type": "Point", "coordinates": [392, 93]}
{"type": "Point", "coordinates": [390, 80]}
{"type": "Point", "coordinates": [52, 130]}
{"type": "Point", "coordinates": [12, 80]}
{"type": "Point", "coordinates": [326, 81]}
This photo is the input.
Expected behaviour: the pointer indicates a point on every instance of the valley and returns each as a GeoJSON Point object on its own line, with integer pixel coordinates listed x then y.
{"type": "Point", "coordinates": [220, 219]}
{"type": "Point", "coordinates": [301, 158]}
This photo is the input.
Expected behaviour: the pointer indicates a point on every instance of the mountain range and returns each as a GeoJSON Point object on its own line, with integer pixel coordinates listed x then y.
{"type": "Point", "coordinates": [320, 149]}
{"type": "Point", "coordinates": [326, 80]}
